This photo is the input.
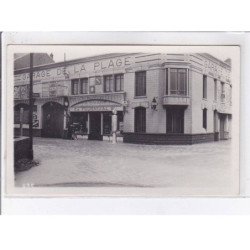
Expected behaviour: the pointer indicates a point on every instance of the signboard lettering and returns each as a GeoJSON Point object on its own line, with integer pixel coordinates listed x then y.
{"type": "Point", "coordinates": [75, 70]}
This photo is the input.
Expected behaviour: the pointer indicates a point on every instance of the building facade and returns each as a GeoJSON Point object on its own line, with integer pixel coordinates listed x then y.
{"type": "Point", "coordinates": [147, 98]}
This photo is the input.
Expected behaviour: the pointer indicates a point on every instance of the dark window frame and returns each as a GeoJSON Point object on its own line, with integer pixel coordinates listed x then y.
{"type": "Point", "coordinates": [204, 118]}
{"type": "Point", "coordinates": [121, 82]}
{"type": "Point", "coordinates": [75, 82]}
{"type": "Point", "coordinates": [140, 83]}
{"type": "Point", "coordinates": [176, 87]}
{"type": "Point", "coordinates": [215, 89]}
{"type": "Point", "coordinates": [204, 87]}
{"type": "Point", "coordinates": [84, 81]}
{"type": "Point", "coordinates": [110, 82]}
{"type": "Point", "coordinates": [223, 94]}
{"type": "Point", "coordinates": [173, 117]}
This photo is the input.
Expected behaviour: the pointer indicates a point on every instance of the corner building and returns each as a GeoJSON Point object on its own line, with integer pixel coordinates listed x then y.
{"type": "Point", "coordinates": [148, 98]}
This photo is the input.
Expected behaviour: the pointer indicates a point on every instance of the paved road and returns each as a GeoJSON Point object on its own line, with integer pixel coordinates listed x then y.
{"type": "Point", "coordinates": [101, 163]}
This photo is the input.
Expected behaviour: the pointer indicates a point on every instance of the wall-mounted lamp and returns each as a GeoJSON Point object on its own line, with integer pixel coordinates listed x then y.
{"type": "Point", "coordinates": [66, 102]}
{"type": "Point", "coordinates": [154, 104]}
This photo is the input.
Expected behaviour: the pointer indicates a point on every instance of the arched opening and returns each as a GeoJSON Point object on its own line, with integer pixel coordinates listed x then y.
{"type": "Point", "coordinates": [140, 120]}
{"type": "Point", "coordinates": [53, 114]}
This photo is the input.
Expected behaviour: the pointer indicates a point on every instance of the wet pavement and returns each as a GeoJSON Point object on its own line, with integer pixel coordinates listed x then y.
{"type": "Point", "coordinates": [83, 163]}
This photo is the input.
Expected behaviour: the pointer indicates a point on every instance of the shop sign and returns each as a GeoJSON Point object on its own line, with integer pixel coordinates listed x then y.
{"type": "Point", "coordinates": [72, 71]}
{"type": "Point", "coordinates": [91, 109]}
{"type": "Point", "coordinates": [35, 120]}
{"type": "Point", "coordinates": [21, 92]}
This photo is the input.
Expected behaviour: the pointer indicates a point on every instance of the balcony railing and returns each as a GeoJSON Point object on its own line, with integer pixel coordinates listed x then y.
{"type": "Point", "coordinates": [176, 100]}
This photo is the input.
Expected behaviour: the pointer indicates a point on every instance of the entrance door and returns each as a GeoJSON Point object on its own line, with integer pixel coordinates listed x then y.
{"type": "Point", "coordinates": [53, 120]}
{"type": "Point", "coordinates": [175, 120]}
{"type": "Point", "coordinates": [95, 126]}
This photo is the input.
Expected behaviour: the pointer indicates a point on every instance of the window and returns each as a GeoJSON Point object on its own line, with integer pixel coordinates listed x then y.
{"type": "Point", "coordinates": [178, 82]}
{"type": "Point", "coordinates": [204, 118]}
{"type": "Point", "coordinates": [108, 83]}
{"type": "Point", "coordinates": [204, 95]}
{"type": "Point", "coordinates": [215, 89]}
{"type": "Point", "coordinates": [222, 91]}
{"type": "Point", "coordinates": [166, 81]}
{"type": "Point", "coordinates": [175, 120]}
{"type": "Point", "coordinates": [84, 85]}
{"type": "Point", "coordinates": [75, 84]}
{"type": "Point", "coordinates": [140, 83]}
{"type": "Point", "coordinates": [140, 120]}
{"type": "Point", "coordinates": [119, 82]}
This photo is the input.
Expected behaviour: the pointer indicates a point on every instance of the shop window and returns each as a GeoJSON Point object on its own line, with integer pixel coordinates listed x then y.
{"type": "Point", "coordinates": [215, 89]}
{"type": "Point", "coordinates": [108, 83]}
{"type": "Point", "coordinates": [178, 82]}
{"type": "Point", "coordinates": [140, 120]}
{"type": "Point", "coordinates": [175, 120]}
{"type": "Point", "coordinates": [140, 83]}
{"type": "Point", "coordinates": [119, 79]}
{"type": "Point", "coordinates": [107, 123]}
{"type": "Point", "coordinates": [204, 87]}
{"type": "Point", "coordinates": [84, 85]}
{"type": "Point", "coordinates": [204, 118]}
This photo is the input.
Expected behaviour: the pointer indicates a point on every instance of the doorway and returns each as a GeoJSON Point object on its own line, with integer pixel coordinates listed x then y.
{"type": "Point", "coordinates": [95, 126]}
{"type": "Point", "coordinates": [53, 114]}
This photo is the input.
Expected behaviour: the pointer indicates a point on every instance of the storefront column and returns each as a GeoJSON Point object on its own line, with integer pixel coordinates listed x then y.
{"type": "Point", "coordinates": [101, 123]}
{"type": "Point", "coordinates": [114, 126]}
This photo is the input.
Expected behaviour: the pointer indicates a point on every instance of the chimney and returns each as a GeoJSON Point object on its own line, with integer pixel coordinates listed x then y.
{"type": "Point", "coordinates": [51, 55]}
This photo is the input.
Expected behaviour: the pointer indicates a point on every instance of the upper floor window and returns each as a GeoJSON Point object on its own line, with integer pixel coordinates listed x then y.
{"type": "Point", "coordinates": [215, 89]}
{"type": "Point", "coordinates": [84, 85]}
{"type": "Point", "coordinates": [178, 82]}
{"type": "Point", "coordinates": [75, 84]}
{"type": "Point", "coordinates": [222, 91]}
{"type": "Point", "coordinates": [140, 83]}
{"type": "Point", "coordinates": [204, 87]}
{"type": "Point", "coordinates": [108, 83]}
{"type": "Point", "coordinates": [119, 82]}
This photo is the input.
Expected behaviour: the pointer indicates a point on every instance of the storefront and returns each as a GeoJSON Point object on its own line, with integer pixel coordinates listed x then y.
{"type": "Point", "coordinates": [146, 98]}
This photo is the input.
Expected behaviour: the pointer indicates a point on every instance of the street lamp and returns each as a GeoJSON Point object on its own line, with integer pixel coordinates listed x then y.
{"type": "Point", "coordinates": [154, 104]}
{"type": "Point", "coordinates": [66, 102]}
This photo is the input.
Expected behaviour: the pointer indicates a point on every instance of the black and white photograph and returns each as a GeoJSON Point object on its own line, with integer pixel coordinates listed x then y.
{"type": "Point", "coordinates": [123, 120]}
